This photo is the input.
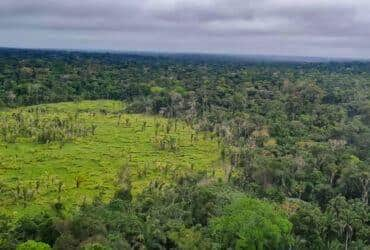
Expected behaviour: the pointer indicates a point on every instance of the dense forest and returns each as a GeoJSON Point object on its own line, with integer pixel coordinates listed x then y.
{"type": "Point", "coordinates": [294, 140]}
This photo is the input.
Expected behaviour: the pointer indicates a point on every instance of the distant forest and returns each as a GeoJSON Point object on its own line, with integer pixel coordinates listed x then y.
{"type": "Point", "coordinates": [296, 135]}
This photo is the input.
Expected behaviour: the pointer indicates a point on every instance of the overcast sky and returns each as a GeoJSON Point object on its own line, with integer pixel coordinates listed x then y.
{"type": "Point", "coordinates": [330, 28]}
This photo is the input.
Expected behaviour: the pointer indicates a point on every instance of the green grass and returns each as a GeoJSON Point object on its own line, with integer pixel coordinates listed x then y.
{"type": "Point", "coordinates": [97, 158]}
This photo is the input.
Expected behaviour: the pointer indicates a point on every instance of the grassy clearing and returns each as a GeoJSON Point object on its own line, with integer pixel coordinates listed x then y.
{"type": "Point", "coordinates": [34, 176]}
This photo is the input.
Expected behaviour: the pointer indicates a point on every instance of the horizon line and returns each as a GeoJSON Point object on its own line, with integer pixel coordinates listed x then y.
{"type": "Point", "coordinates": [266, 57]}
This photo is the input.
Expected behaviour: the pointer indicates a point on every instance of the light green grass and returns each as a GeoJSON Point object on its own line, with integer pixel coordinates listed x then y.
{"type": "Point", "coordinates": [97, 158]}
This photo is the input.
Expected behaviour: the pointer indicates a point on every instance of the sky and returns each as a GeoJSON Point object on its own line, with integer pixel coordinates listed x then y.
{"type": "Point", "coordinates": [325, 28]}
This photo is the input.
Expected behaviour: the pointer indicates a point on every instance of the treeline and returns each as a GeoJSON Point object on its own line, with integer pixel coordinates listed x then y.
{"type": "Point", "coordinates": [190, 214]}
{"type": "Point", "coordinates": [184, 216]}
{"type": "Point", "coordinates": [40, 126]}
{"type": "Point", "coordinates": [291, 133]}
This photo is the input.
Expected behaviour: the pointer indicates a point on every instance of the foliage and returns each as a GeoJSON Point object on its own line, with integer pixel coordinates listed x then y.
{"type": "Point", "coordinates": [251, 224]}
{"type": "Point", "coordinates": [343, 223]}
{"type": "Point", "coordinates": [33, 123]}
{"type": "Point", "coordinates": [33, 245]}
{"type": "Point", "coordinates": [161, 217]}
{"type": "Point", "coordinates": [290, 133]}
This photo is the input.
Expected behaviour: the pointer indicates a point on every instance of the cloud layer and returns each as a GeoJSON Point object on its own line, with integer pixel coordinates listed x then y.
{"type": "Point", "coordinates": [337, 28]}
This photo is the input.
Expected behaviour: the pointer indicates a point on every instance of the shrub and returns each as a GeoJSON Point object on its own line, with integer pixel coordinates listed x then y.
{"type": "Point", "coordinates": [33, 245]}
{"type": "Point", "coordinates": [251, 224]}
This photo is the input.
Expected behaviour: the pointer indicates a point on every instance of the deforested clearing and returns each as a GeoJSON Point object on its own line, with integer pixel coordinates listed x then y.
{"type": "Point", "coordinates": [103, 147]}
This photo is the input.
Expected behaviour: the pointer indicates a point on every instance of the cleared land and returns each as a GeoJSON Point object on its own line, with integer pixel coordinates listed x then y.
{"type": "Point", "coordinates": [35, 175]}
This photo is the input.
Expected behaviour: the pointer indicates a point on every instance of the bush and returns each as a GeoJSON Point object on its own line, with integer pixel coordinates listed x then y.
{"type": "Point", "coordinates": [33, 245]}
{"type": "Point", "coordinates": [40, 228]}
{"type": "Point", "coordinates": [251, 224]}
